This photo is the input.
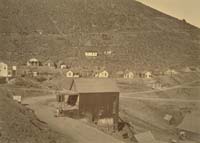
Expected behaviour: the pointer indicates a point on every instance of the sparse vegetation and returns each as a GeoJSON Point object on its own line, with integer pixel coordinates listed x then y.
{"type": "Point", "coordinates": [139, 36]}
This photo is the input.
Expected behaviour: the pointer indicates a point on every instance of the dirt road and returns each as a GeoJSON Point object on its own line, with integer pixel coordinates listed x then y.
{"type": "Point", "coordinates": [75, 130]}
{"type": "Point", "coordinates": [157, 99]}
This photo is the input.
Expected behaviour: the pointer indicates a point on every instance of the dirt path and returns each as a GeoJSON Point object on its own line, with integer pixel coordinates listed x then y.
{"type": "Point", "coordinates": [77, 131]}
{"type": "Point", "coordinates": [158, 99]}
{"type": "Point", "coordinates": [184, 85]}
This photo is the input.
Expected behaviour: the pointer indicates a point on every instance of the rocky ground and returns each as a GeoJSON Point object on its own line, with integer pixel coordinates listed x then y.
{"type": "Point", "coordinates": [19, 124]}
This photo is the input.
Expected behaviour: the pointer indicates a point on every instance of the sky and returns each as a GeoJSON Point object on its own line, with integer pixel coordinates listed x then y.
{"type": "Point", "coordinates": [182, 9]}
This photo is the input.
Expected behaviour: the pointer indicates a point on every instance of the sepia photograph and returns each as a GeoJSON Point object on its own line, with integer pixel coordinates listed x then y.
{"type": "Point", "coordinates": [99, 71]}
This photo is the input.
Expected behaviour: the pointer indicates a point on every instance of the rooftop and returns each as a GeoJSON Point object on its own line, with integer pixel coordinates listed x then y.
{"type": "Point", "coordinates": [95, 85]}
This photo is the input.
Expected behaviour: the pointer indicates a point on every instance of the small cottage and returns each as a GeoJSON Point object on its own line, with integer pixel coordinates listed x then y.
{"type": "Point", "coordinates": [128, 75]}
{"type": "Point", "coordinates": [33, 62]}
{"type": "Point", "coordinates": [102, 74]}
{"type": "Point", "coordinates": [3, 70]}
{"type": "Point", "coordinates": [147, 75]}
{"type": "Point", "coordinates": [69, 74]}
{"type": "Point", "coordinates": [73, 73]}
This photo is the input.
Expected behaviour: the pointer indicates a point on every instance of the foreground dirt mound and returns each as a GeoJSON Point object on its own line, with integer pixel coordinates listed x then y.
{"type": "Point", "coordinates": [19, 124]}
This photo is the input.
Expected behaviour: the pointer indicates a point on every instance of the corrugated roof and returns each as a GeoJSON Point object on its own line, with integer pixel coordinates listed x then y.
{"type": "Point", "coordinates": [146, 137]}
{"type": "Point", "coordinates": [191, 122]}
{"type": "Point", "coordinates": [95, 85]}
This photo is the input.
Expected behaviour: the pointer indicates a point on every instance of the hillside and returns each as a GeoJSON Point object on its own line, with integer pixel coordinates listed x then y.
{"type": "Point", "coordinates": [19, 124]}
{"type": "Point", "coordinates": [138, 36]}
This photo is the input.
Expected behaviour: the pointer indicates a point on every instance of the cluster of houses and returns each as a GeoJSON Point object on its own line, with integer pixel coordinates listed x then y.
{"type": "Point", "coordinates": [71, 72]}
{"type": "Point", "coordinates": [74, 72]}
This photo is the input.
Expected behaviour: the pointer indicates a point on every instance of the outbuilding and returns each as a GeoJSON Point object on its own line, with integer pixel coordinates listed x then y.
{"type": "Point", "coordinates": [97, 99]}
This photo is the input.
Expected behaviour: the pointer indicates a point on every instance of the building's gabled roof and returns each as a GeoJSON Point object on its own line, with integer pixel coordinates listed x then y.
{"type": "Point", "coordinates": [33, 60]}
{"type": "Point", "coordinates": [95, 85]}
{"type": "Point", "coordinates": [146, 137]}
{"type": "Point", "coordinates": [191, 123]}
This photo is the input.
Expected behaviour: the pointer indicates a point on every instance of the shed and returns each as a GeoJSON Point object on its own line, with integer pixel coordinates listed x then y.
{"type": "Point", "coordinates": [98, 98]}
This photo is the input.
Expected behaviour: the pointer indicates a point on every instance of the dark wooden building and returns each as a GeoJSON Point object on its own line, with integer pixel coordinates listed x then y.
{"type": "Point", "coordinates": [97, 99]}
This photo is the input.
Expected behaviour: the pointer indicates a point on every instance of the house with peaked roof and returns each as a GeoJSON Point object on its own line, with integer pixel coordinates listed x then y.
{"type": "Point", "coordinates": [33, 62]}
{"type": "Point", "coordinates": [69, 73]}
{"type": "Point", "coordinates": [147, 75]}
{"type": "Point", "coordinates": [190, 124]}
{"type": "Point", "coordinates": [101, 74]}
{"type": "Point", "coordinates": [73, 73]}
{"type": "Point", "coordinates": [98, 99]}
{"type": "Point", "coordinates": [3, 70]}
{"type": "Point", "coordinates": [128, 74]}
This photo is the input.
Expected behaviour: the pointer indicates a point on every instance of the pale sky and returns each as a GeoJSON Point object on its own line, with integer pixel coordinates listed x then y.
{"type": "Point", "coordinates": [182, 9]}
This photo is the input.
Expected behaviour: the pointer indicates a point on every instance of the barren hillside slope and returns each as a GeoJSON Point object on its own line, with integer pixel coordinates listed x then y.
{"type": "Point", "coordinates": [138, 36]}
